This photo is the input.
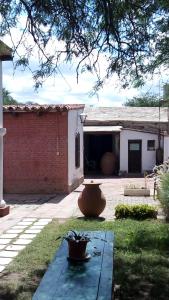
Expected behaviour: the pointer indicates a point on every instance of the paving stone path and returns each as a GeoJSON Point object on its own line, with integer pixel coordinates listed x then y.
{"type": "Point", "coordinates": [17, 237]}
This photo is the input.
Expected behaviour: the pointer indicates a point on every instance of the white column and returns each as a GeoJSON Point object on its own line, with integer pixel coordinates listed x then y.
{"type": "Point", "coordinates": [2, 132]}
{"type": "Point", "coordinates": [166, 147]}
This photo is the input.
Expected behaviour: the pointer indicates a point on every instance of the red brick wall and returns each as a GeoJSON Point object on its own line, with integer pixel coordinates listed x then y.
{"type": "Point", "coordinates": [31, 161]}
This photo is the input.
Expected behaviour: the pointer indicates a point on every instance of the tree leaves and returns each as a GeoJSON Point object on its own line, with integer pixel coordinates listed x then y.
{"type": "Point", "coordinates": [132, 35]}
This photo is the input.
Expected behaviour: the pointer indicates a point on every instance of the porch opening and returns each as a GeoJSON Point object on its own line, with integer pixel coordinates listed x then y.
{"type": "Point", "coordinates": [96, 144]}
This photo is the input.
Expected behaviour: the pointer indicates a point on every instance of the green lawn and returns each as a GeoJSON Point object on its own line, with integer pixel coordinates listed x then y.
{"type": "Point", "coordinates": [141, 259]}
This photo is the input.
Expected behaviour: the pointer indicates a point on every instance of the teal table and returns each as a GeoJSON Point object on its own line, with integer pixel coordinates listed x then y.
{"type": "Point", "coordinates": [89, 280]}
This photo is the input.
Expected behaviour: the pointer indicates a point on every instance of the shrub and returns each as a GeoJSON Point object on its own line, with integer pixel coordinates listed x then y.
{"type": "Point", "coordinates": [138, 212]}
{"type": "Point", "coordinates": [164, 193]}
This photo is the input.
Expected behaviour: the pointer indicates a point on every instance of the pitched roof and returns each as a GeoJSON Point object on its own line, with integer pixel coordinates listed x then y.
{"type": "Point", "coordinates": [42, 108]}
{"type": "Point", "coordinates": [134, 114]}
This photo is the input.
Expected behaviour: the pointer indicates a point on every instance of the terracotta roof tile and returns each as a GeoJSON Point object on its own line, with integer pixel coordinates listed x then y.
{"type": "Point", "coordinates": [44, 108]}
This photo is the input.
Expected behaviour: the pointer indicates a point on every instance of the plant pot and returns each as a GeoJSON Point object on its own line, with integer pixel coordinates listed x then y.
{"type": "Point", "coordinates": [77, 249]}
{"type": "Point", "coordinates": [107, 163]}
{"type": "Point", "coordinates": [91, 201]}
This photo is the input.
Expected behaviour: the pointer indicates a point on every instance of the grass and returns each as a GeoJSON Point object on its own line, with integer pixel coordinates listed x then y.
{"type": "Point", "coordinates": [141, 261]}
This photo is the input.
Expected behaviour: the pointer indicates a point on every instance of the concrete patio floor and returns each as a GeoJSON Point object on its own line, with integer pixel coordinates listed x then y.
{"type": "Point", "coordinates": [65, 206]}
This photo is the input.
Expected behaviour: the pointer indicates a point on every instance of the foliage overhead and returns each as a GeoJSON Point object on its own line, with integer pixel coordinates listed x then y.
{"type": "Point", "coordinates": [146, 100]}
{"type": "Point", "coordinates": [132, 36]}
{"type": "Point", "coordinates": [7, 98]}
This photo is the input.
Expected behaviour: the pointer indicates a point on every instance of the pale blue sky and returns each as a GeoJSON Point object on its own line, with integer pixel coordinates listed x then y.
{"type": "Point", "coordinates": [63, 88]}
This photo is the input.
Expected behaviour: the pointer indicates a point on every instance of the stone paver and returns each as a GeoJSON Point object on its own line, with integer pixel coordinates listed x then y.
{"type": "Point", "coordinates": [15, 247]}
{"type": "Point", "coordinates": [4, 241]}
{"type": "Point", "coordinates": [8, 236]}
{"type": "Point", "coordinates": [2, 268]}
{"type": "Point", "coordinates": [19, 227]}
{"type": "Point", "coordinates": [21, 241]}
{"type": "Point", "coordinates": [2, 247]}
{"type": "Point", "coordinates": [34, 231]}
{"type": "Point", "coordinates": [27, 236]}
{"type": "Point", "coordinates": [24, 223]}
{"type": "Point", "coordinates": [8, 253]}
{"type": "Point", "coordinates": [5, 260]}
{"type": "Point", "coordinates": [29, 219]}
{"type": "Point", "coordinates": [14, 231]}
{"type": "Point", "coordinates": [42, 222]}
{"type": "Point", "coordinates": [37, 226]}
{"type": "Point", "coordinates": [12, 250]}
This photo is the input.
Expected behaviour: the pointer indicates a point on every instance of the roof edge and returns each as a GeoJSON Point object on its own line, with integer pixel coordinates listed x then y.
{"type": "Point", "coordinates": [42, 108]}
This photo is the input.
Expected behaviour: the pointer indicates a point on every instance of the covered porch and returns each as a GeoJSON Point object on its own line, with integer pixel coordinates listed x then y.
{"type": "Point", "coordinates": [99, 140]}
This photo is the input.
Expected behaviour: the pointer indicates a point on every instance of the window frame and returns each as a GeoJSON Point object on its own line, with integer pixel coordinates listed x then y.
{"type": "Point", "coordinates": [149, 147]}
{"type": "Point", "coordinates": [77, 150]}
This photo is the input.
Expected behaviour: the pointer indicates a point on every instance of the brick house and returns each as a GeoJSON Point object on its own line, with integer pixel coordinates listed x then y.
{"type": "Point", "coordinates": [43, 148]}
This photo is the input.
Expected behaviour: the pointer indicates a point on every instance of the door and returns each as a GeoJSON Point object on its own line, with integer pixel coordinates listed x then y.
{"type": "Point", "coordinates": [134, 156]}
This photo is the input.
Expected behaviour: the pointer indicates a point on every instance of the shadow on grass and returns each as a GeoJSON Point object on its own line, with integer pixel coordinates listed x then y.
{"type": "Point", "coordinates": [22, 287]}
{"type": "Point", "coordinates": [150, 239]}
{"type": "Point", "coordinates": [97, 219]}
{"type": "Point", "coordinates": [142, 264]}
{"type": "Point", "coordinates": [139, 278]}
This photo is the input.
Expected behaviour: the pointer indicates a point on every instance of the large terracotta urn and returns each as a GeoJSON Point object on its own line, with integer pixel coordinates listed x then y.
{"type": "Point", "coordinates": [107, 163]}
{"type": "Point", "coordinates": [91, 201]}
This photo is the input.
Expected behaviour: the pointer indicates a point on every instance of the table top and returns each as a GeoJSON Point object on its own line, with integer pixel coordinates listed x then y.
{"type": "Point", "coordinates": [90, 280]}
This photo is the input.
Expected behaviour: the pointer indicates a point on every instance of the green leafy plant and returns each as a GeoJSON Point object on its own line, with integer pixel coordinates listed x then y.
{"type": "Point", "coordinates": [138, 212]}
{"type": "Point", "coordinates": [164, 194]}
{"type": "Point", "coordinates": [77, 243]}
{"type": "Point", "coordinates": [77, 237]}
{"type": "Point", "coordinates": [157, 175]}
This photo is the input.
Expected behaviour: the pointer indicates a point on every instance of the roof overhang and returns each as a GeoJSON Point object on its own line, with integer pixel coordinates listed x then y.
{"type": "Point", "coordinates": [102, 128]}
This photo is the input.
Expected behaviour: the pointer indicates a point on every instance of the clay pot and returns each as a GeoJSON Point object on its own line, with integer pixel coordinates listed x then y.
{"type": "Point", "coordinates": [77, 250]}
{"type": "Point", "coordinates": [91, 201]}
{"type": "Point", "coordinates": [107, 163]}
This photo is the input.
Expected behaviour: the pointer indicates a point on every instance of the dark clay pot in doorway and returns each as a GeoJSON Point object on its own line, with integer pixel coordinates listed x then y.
{"type": "Point", "coordinates": [107, 163]}
{"type": "Point", "coordinates": [91, 201]}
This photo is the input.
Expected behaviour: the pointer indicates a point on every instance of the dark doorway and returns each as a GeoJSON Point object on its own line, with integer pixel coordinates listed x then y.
{"type": "Point", "coordinates": [95, 145]}
{"type": "Point", "coordinates": [134, 156]}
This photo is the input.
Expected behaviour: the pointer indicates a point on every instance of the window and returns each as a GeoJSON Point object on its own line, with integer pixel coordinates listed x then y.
{"type": "Point", "coordinates": [134, 147]}
{"type": "Point", "coordinates": [151, 145]}
{"type": "Point", "coordinates": [77, 150]}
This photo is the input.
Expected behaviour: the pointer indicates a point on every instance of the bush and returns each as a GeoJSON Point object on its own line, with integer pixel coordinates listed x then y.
{"type": "Point", "coordinates": [164, 193]}
{"type": "Point", "coordinates": [138, 212]}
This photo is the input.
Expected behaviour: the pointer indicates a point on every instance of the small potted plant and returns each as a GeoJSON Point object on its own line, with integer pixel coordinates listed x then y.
{"type": "Point", "coordinates": [77, 243]}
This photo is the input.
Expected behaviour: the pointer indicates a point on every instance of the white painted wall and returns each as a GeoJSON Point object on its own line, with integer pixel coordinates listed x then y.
{"type": "Point", "coordinates": [2, 132]}
{"type": "Point", "coordinates": [1, 97]}
{"type": "Point", "coordinates": [148, 157]}
{"type": "Point", "coordinates": [74, 125]}
{"type": "Point", "coordinates": [166, 147]}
